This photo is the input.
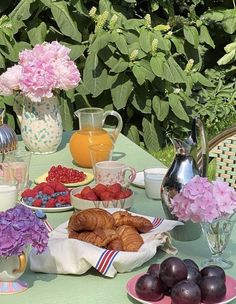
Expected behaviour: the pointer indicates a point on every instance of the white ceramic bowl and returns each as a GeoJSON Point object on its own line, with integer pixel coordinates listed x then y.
{"type": "Point", "coordinates": [81, 204]}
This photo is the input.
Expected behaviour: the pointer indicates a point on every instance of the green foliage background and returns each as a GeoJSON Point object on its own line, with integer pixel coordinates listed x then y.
{"type": "Point", "coordinates": [158, 63]}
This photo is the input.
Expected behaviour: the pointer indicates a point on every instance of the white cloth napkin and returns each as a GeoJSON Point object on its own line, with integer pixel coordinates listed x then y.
{"type": "Point", "coordinates": [70, 256]}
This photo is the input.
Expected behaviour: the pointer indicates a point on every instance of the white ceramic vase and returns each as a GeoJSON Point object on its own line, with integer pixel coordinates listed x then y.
{"type": "Point", "coordinates": [41, 125]}
{"type": "Point", "coordinates": [11, 268]}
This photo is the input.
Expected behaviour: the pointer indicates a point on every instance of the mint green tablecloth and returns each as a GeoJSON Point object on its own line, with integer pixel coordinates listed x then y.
{"type": "Point", "coordinates": [93, 288]}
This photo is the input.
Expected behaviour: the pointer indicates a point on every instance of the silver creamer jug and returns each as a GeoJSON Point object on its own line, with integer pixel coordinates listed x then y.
{"type": "Point", "coordinates": [8, 138]}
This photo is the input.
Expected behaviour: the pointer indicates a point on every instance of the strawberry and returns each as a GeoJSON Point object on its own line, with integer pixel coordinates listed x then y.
{"type": "Point", "coordinates": [115, 188]}
{"type": "Point", "coordinates": [47, 190]}
{"type": "Point", "coordinates": [78, 195]}
{"type": "Point", "coordinates": [99, 188]}
{"type": "Point", "coordinates": [85, 191]}
{"type": "Point", "coordinates": [37, 203]}
{"type": "Point", "coordinates": [91, 196]}
{"type": "Point", "coordinates": [123, 194]}
{"type": "Point", "coordinates": [106, 196]}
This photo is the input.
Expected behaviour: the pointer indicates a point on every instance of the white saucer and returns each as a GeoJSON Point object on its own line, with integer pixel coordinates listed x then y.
{"type": "Point", "coordinates": [139, 180]}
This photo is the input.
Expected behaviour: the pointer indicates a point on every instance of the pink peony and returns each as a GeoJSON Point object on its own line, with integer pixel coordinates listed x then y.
{"type": "Point", "coordinates": [203, 201]}
{"type": "Point", "coordinates": [40, 71]}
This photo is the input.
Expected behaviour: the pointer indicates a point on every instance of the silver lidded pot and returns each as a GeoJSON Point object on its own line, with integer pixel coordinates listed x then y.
{"type": "Point", "coordinates": [8, 138]}
{"type": "Point", "coordinates": [182, 170]}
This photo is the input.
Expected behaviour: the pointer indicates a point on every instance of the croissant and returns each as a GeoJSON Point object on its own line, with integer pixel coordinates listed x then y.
{"type": "Point", "coordinates": [116, 244]}
{"type": "Point", "coordinates": [99, 237]}
{"type": "Point", "coordinates": [90, 219]}
{"type": "Point", "coordinates": [125, 218]}
{"type": "Point", "coordinates": [131, 239]}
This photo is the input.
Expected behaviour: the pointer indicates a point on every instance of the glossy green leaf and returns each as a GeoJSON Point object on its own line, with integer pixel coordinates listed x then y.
{"type": "Point", "coordinates": [205, 36]}
{"type": "Point", "coordinates": [191, 35]}
{"type": "Point", "coordinates": [145, 68]}
{"type": "Point", "coordinates": [157, 64]}
{"type": "Point", "coordinates": [95, 75]}
{"type": "Point", "coordinates": [122, 45]}
{"type": "Point", "coordinates": [66, 110]}
{"type": "Point", "coordinates": [22, 10]}
{"type": "Point", "coordinates": [227, 58]}
{"type": "Point", "coordinates": [121, 91]}
{"type": "Point", "coordinates": [172, 72]}
{"type": "Point", "coordinates": [229, 22]}
{"type": "Point", "coordinates": [179, 44]}
{"type": "Point", "coordinates": [160, 107]}
{"type": "Point", "coordinates": [38, 33]}
{"type": "Point", "coordinates": [145, 40]}
{"type": "Point", "coordinates": [139, 74]}
{"type": "Point", "coordinates": [100, 42]}
{"type": "Point", "coordinates": [133, 134]}
{"type": "Point", "coordinates": [198, 77]}
{"type": "Point", "coordinates": [140, 100]}
{"type": "Point", "coordinates": [150, 135]}
{"type": "Point", "coordinates": [64, 20]}
{"type": "Point", "coordinates": [177, 108]}
{"type": "Point", "coordinates": [120, 66]}
{"type": "Point", "coordinates": [2, 62]}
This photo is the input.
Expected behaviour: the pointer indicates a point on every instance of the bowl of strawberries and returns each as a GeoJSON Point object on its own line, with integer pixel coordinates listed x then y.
{"type": "Point", "coordinates": [102, 196]}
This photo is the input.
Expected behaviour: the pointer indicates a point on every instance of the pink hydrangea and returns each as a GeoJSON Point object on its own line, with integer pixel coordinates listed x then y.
{"type": "Point", "coordinates": [203, 201]}
{"type": "Point", "coordinates": [40, 71]}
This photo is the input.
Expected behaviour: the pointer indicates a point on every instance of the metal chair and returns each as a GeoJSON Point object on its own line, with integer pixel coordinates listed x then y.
{"type": "Point", "coordinates": [223, 149]}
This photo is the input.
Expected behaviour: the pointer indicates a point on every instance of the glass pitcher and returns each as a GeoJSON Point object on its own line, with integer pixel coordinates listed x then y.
{"type": "Point", "coordinates": [91, 121]}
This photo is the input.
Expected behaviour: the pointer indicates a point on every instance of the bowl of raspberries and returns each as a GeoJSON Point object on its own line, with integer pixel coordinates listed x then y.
{"type": "Point", "coordinates": [102, 196]}
{"type": "Point", "coordinates": [49, 196]}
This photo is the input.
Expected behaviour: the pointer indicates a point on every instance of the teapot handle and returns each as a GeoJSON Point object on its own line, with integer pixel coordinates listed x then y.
{"type": "Point", "coordinates": [114, 134]}
{"type": "Point", "coordinates": [22, 263]}
{"type": "Point", "coordinates": [204, 148]}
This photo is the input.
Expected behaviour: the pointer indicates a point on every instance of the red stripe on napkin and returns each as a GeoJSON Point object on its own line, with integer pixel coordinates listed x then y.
{"type": "Point", "coordinates": [106, 260]}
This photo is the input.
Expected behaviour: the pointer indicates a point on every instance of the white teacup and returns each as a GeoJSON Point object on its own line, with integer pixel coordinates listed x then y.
{"type": "Point", "coordinates": [152, 180]}
{"type": "Point", "coordinates": [110, 172]}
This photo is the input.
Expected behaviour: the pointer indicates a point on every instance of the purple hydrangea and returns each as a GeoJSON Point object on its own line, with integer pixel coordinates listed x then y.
{"type": "Point", "coordinates": [20, 227]}
{"type": "Point", "coordinates": [204, 201]}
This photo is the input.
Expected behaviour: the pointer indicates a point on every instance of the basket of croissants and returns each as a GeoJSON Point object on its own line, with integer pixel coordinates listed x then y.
{"type": "Point", "coordinates": [114, 231]}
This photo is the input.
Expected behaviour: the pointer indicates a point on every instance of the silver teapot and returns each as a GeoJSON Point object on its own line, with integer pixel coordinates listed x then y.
{"type": "Point", "coordinates": [184, 168]}
{"type": "Point", "coordinates": [8, 138]}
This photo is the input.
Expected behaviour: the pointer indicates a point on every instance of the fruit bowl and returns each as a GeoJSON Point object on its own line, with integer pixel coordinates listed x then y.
{"type": "Point", "coordinates": [86, 197]}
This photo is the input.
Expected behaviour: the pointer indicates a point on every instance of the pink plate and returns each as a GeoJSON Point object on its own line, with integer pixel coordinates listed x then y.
{"type": "Point", "coordinates": [230, 293]}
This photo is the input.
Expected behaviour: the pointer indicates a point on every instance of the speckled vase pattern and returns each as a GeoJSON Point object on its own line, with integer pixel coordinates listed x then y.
{"type": "Point", "coordinates": [41, 125]}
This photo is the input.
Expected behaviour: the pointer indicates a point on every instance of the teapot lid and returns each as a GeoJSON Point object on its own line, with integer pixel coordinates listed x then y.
{"type": "Point", "coordinates": [8, 138]}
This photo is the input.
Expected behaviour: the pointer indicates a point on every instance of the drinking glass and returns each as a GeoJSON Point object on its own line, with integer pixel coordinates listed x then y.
{"type": "Point", "coordinates": [152, 180]}
{"type": "Point", "coordinates": [16, 166]}
{"type": "Point", "coordinates": [8, 193]}
{"type": "Point", "coordinates": [218, 235]}
{"type": "Point", "coordinates": [100, 152]}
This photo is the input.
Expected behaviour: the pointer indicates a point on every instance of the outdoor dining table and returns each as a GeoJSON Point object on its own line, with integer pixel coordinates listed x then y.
{"type": "Point", "coordinates": [92, 287]}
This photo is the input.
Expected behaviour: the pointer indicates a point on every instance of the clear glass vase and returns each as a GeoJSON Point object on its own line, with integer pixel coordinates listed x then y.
{"type": "Point", "coordinates": [218, 235]}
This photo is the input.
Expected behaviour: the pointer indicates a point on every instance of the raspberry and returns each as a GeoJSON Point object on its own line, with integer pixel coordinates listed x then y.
{"type": "Point", "coordinates": [40, 186]}
{"type": "Point", "coordinates": [61, 199]}
{"type": "Point", "coordinates": [47, 190]}
{"type": "Point", "coordinates": [60, 187]}
{"type": "Point", "coordinates": [37, 203]}
{"type": "Point", "coordinates": [51, 203]}
{"type": "Point", "coordinates": [28, 193]}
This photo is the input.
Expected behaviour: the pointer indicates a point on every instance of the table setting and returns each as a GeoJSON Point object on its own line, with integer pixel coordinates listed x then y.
{"type": "Point", "coordinates": [79, 221]}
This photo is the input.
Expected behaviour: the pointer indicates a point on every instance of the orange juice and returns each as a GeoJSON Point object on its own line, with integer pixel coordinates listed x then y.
{"type": "Point", "coordinates": [80, 142]}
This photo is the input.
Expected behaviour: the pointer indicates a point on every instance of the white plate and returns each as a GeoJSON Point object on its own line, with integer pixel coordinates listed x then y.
{"type": "Point", "coordinates": [139, 180]}
{"type": "Point", "coordinates": [56, 209]}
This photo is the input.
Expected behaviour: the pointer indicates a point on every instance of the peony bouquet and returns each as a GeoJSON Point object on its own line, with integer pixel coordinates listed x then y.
{"type": "Point", "coordinates": [40, 71]}
{"type": "Point", "coordinates": [204, 201]}
{"type": "Point", "coordinates": [20, 227]}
